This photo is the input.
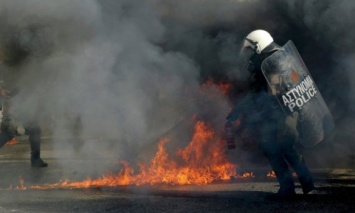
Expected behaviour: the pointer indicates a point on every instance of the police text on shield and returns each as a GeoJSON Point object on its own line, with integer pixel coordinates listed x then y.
{"type": "Point", "coordinates": [300, 94]}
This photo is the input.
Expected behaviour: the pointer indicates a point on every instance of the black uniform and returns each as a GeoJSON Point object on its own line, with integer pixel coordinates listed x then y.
{"type": "Point", "coordinates": [277, 131]}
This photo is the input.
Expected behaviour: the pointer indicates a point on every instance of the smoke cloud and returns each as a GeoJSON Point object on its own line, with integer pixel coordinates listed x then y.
{"type": "Point", "coordinates": [96, 69]}
{"type": "Point", "coordinates": [123, 73]}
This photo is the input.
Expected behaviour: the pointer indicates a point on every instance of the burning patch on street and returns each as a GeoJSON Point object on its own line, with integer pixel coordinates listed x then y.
{"type": "Point", "coordinates": [12, 142]}
{"type": "Point", "coordinates": [202, 161]}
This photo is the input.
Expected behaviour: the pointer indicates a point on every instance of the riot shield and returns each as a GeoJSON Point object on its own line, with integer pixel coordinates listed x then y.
{"type": "Point", "coordinates": [290, 81]}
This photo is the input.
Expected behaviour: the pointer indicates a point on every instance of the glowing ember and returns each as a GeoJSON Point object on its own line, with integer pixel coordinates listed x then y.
{"type": "Point", "coordinates": [248, 175]}
{"type": "Point", "coordinates": [202, 161]}
{"type": "Point", "coordinates": [21, 185]}
{"type": "Point", "coordinates": [223, 87]}
{"type": "Point", "coordinates": [12, 142]}
{"type": "Point", "coordinates": [271, 174]}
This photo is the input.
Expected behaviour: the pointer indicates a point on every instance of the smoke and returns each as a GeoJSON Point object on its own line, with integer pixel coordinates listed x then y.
{"type": "Point", "coordinates": [94, 75]}
{"type": "Point", "coordinates": [123, 73]}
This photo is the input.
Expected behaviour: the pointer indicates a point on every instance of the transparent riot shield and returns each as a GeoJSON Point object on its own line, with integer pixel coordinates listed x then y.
{"type": "Point", "coordinates": [290, 81]}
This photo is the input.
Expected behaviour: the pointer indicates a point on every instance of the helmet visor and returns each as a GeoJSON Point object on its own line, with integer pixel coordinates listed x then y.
{"type": "Point", "coordinates": [247, 45]}
{"type": "Point", "coordinates": [246, 51]}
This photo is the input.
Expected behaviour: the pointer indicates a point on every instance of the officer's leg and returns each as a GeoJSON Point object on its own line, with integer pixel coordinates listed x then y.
{"type": "Point", "coordinates": [34, 136]}
{"type": "Point", "coordinates": [298, 164]}
{"type": "Point", "coordinates": [294, 158]}
{"type": "Point", "coordinates": [273, 152]}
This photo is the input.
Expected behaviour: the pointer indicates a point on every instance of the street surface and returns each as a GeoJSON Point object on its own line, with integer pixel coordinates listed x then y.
{"type": "Point", "coordinates": [335, 190]}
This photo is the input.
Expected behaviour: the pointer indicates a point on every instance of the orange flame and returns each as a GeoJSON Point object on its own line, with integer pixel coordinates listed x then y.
{"type": "Point", "coordinates": [21, 186]}
{"type": "Point", "coordinates": [222, 86]}
{"type": "Point", "coordinates": [271, 174]}
{"type": "Point", "coordinates": [225, 87]}
{"type": "Point", "coordinates": [202, 161]}
{"type": "Point", "coordinates": [12, 141]}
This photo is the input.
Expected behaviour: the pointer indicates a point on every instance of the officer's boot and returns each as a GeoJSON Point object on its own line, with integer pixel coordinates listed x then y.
{"type": "Point", "coordinates": [307, 184]}
{"type": "Point", "coordinates": [35, 142]}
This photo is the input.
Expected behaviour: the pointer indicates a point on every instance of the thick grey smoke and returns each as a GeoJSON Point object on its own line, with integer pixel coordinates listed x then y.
{"type": "Point", "coordinates": [126, 72]}
{"type": "Point", "coordinates": [95, 69]}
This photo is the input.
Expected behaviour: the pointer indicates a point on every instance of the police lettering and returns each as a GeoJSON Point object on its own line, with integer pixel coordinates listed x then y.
{"type": "Point", "coordinates": [300, 94]}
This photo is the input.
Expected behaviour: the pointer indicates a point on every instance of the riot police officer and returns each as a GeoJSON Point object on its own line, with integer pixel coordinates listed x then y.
{"type": "Point", "coordinates": [260, 110]}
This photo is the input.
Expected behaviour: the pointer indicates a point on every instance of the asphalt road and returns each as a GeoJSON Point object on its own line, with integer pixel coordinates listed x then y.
{"type": "Point", "coordinates": [335, 191]}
